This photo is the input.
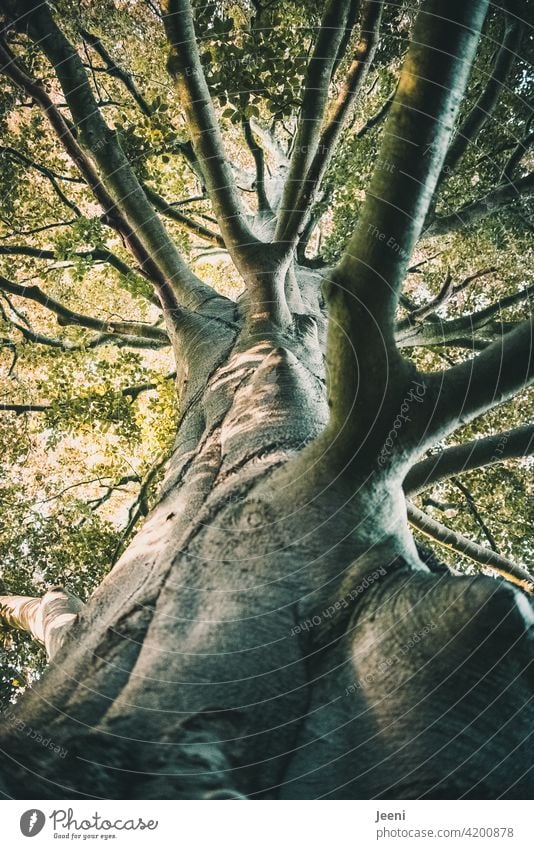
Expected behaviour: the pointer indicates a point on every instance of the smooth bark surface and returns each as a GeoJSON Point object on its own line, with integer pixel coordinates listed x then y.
{"type": "Point", "coordinates": [47, 619]}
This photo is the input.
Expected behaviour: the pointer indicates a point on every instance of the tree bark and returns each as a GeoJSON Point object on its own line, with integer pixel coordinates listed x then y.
{"type": "Point", "coordinates": [235, 635]}
{"type": "Point", "coordinates": [47, 619]}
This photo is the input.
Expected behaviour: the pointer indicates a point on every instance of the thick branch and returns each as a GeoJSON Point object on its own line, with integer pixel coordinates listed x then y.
{"type": "Point", "coordinates": [446, 334]}
{"type": "Point", "coordinates": [462, 545]}
{"type": "Point", "coordinates": [337, 118]}
{"type": "Point", "coordinates": [467, 390]}
{"type": "Point", "coordinates": [314, 101]}
{"type": "Point", "coordinates": [350, 23]}
{"type": "Point", "coordinates": [473, 212]}
{"type": "Point", "coordinates": [64, 133]}
{"type": "Point", "coordinates": [417, 131]}
{"type": "Point", "coordinates": [185, 67]}
{"type": "Point", "coordinates": [484, 106]}
{"type": "Point", "coordinates": [47, 619]}
{"type": "Point", "coordinates": [315, 213]}
{"type": "Point", "coordinates": [365, 286]}
{"type": "Point", "coordinates": [518, 442]}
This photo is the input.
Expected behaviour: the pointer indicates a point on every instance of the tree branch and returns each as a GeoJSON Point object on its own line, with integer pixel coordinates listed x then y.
{"type": "Point", "coordinates": [477, 319]}
{"type": "Point", "coordinates": [66, 317]}
{"type": "Point", "coordinates": [473, 212]}
{"type": "Point", "coordinates": [259, 161]}
{"type": "Point", "coordinates": [37, 338]}
{"type": "Point", "coordinates": [317, 209]}
{"type": "Point", "coordinates": [364, 289]}
{"type": "Point", "coordinates": [122, 481]}
{"type": "Point", "coordinates": [313, 217]}
{"type": "Point", "coordinates": [475, 512]}
{"type": "Point", "coordinates": [518, 442]}
{"type": "Point", "coordinates": [484, 106]}
{"type": "Point", "coordinates": [96, 341]}
{"type": "Point", "coordinates": [33, 230]}
{"type": "Point", "coordinates": [122, 195]}
{"type": "Point", "coordinates": [132, 392]}
{"type": "Point", "coordinates": [185, 68]}
{"type": "Point", "coordinates": [135, 391]}
{"type": "Point", "coordinates": [140, 507]}
{"type": "Point", "coordinates": [98, 254]}
{"type": "Point", "coordinates": [350, 23]}
{"type": "Point", "coordinates": [462, 545]}
{"type": "Point", "coordinates": [375, 119]}
{"type": "Point", "coordinates": [97, 503]}
{"type": "Point", "coordinates": [170, 211]}
{"type": "Point", "coordinates": [271, 144]}
{"type": "Point", "coordinates": [116, 71]}
{"type": "Point", "coordinates": [517, 155]}
{"type": "Point", "coordinates": [46, 619]}
{"type": "Point", "coordinates": [20, 409]}
{"type": "Point", "coordinates": [337, 118]}
{"type": "Point", "coordinates": [314, 101]}
{"type": "Point", "coordinates": [447, 291]}
{"type": "Point", "coordinates": [10, 345]}
{"type": "Point", "coordinates": [65, 135]}
{"type": "Point", "coordinates": [477, 329]}
{"type": "Point", "coordinates": [465, 391]}
{"type": "Point", "coordinates": [49, 174]}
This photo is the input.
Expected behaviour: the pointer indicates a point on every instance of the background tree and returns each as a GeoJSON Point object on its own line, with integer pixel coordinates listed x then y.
{"type": "Point", "coordinates": [257, 260]}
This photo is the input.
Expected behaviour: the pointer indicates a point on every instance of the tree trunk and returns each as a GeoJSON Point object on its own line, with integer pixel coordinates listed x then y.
{"type": "Point", "coordinates": [271, 631]}
{"type": "Point", "coordinates": [47, 619]}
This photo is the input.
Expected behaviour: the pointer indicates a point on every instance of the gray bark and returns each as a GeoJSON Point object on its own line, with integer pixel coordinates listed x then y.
{"type": "Point", "coordinates": [47, 619]}
{"type": "Point", "coordinates": [274, 637]}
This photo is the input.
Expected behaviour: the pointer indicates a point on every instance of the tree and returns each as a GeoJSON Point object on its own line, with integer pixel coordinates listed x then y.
{"type": "Point", "coordinates": [271, 627]}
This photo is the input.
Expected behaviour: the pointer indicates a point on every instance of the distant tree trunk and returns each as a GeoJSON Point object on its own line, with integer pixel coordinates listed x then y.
{"type": "Point", "coordinates": [47, 619]}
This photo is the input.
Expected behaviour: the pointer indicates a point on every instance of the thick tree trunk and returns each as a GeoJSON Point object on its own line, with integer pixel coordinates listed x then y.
{"type": "Point", "coordinates": [270, 631]}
